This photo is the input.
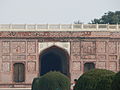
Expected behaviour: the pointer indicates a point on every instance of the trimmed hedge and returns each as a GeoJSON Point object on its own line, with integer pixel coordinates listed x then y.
{"type": "Point", "coordinates": [51, 81]}
{"type": "Point", "coordinates": [116, 82]}
{"type": "Point", "coordinates": [89, 80]}
{"type": "Point", "coordinates": [105, 83]}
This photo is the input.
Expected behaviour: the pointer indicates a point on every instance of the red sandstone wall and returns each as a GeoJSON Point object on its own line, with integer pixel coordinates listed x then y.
{"type": "Point", "coordinates": [18, 51]}
{"type": "Point", "coordinates": [103, 52]}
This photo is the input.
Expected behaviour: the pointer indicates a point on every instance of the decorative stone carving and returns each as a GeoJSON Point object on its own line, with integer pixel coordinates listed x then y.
{"type": "Point", "coordinates": [5, 47]}
{"type": "Point", "coordinates": [6, 58]}
{"type": "Point", "coordinates": [101, 47]}
{"type": "Point", "coordinates": [112, 57]}
{"type": "Point", "coordinates": [75, 57]}
{"type": "Point", "coordinates": [112, 47]}
{"type": "Point", "coordinates": [113, 66]}
{"type": "Point", "coordinates": [75, 48]}
{"type": "Point", "coordinates": [75, 51]}
{"type": "Point", "coordinates": [31, 47]}
{"type": "Point", "coordinates": [18, 57]}
{"type": "Point", "coordinates": [88, 56]}
{"type": "Point", "coordinates": [18, 47]}
{"type": "Point", "coordinates": [5, 66]}
{"type": "Point", "coordinates": [31, 57]}
{"type": "Point", "coordinates": [119, 47]}
{"type": "Point", "coordinates": [100, 34]}
{"type": "Point", "coordinates": [88, 47]}
{"type": "Point", "coordinates": [31, 66]}
{"type": "Point", "coordinates": [76, 65]}
{"type": "Point", "coordinates": [101, 65]}
{"type": "Point", "coordinates": [102, 57]}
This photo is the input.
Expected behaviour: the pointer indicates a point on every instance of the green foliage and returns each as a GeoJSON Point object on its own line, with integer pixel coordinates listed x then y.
{"type": "Point", "coordinates": [116, 82]}
{"type": "Point", "coordinates": [51, 81]}
{"type": "Point", "coordinates": [108, 18]}
{"type": "Point", "coordinates": [35, 84]}
{"type": "Point", "coordinates": [89, 80]}
{"type": "Point", "coordinates": [105, 83]}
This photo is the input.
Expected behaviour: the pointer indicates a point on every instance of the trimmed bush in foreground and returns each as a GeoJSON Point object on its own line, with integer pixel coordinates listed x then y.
{"type": "Point", "coordinates": [51, 81]}
{"type": "Point", "coordinates": [105, 83]}
{"type": "Point", "coordinates": [116, 82]}
{"type": "Point", "coordinates": [90, 80]}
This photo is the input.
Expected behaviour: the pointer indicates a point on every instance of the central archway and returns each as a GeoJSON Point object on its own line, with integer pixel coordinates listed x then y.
{"type": "Point", "coordinates": [54, 59]}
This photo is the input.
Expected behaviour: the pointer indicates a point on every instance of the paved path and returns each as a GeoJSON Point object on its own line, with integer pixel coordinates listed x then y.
{"type": "Point", "coordinates": [15, 88]}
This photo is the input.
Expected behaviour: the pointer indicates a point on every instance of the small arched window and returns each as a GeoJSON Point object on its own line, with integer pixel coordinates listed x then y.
{"type": "Point", "coordinates": [19, 72]}
{"type": "Point", "coordinates": [88, 66]}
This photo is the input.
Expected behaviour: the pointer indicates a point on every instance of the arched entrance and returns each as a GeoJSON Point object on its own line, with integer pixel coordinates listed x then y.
{"type": "Point", "coordinates": [88, 66]}
{"type": "Point", "coordinates": [54, 59]}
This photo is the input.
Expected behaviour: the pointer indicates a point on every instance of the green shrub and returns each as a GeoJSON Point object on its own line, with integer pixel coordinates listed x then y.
{"type": "Point", "coordinates": [90, 79]}
{"type": "Point", "coordinates": [116, 82]}
{"type": "Point", "coordinates": [51, 81]}
{"type": "Point", "coordinates": [105, 83]}
{"type": "Point", "coordinates": [35, 84]}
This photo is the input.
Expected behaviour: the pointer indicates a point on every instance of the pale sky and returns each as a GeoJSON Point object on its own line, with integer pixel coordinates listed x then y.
{"type": "Point", "coordinates": [54, 11]}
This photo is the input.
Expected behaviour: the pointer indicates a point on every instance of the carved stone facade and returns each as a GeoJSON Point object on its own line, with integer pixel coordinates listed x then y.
{"type": "Point", "coordinates": [100, 48]}
{"type": "Point", "coordinates": [17, 51]}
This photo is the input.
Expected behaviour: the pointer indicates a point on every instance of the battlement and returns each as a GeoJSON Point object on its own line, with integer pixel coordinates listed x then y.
{"type": "Point", "coordinates": [59, 27]}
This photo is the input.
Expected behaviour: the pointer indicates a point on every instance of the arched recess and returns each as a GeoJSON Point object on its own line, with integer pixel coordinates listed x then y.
{"type": "Point", "coordinates": [54, 58]}
{"type": "Point", "coordinates": [88, 66]}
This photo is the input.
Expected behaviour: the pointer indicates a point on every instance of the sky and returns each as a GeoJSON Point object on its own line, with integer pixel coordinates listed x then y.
{"type": "Point", "coordinates": [54, 11]}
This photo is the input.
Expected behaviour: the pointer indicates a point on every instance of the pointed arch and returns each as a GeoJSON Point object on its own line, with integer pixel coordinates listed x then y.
{"type": "Point", "coordinates": [54, 58]}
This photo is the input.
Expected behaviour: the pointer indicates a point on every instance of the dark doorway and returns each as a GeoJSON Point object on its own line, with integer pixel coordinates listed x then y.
{"type": "Point", "coordinates": [19, 72]}
{"type": "Point", "coordinates": [88, 66]}
{"type": "Point", "coordinates": [54, 59]}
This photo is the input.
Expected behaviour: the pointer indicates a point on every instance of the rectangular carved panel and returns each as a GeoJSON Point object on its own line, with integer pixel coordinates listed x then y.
{"type": "Point", "coordinates": [101, 57]}
{"type": "Point", "coordinates": [88, 47]}
{"type": "Point", "coordinates": [88, 56]}
{"type": "Point", "coordinates": [31, 47]}
{"type": "Point", "coordinates": [31, 66]}
{"type": "Point", "coordinates": [75, 57]}
{"type": "Point", "coordinates": [18, 57]}
{"type": "Point", "coordinates": [31, 57]}
{"type": "Point", "coordinates": [113, 66]}
{"type": "Point", "coordinates": [5, 78]}
{"type": "Point", "coordinates": [6, 58]}
{"type": "Point", "coordinates": [76, 65]}
{"type": "Point", "coordinates": [101, 47]}
{"type": "Point", "coordinates": [18, 47]}
{"type": "Point", "coordinates": [5, 66]}
{"type": "Point", "coordinates": [112, 57]}
{"type": "Point", "coordinates": [112, 47]}
{"type": "Point", "coordinates": [75, 48]}
{"type": "Point", "coordinates": [6, 47]}
{"type": "Point", "coordinates": [101, 65]}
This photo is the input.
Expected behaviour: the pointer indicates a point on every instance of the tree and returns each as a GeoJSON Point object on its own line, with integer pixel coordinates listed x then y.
{"type": "Point", "coordinates": [108, 18]}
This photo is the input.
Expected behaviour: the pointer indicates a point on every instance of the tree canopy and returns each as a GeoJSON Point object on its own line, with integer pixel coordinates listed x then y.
{"type": "Point", "coordinates": [108, 18]}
